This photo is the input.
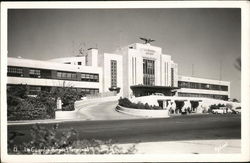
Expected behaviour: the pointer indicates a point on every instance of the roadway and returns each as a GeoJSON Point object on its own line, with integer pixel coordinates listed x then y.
{"type": "Point", "coordinates": [189, 127]}
{"type": "Point", "coordinates": [101, 111]}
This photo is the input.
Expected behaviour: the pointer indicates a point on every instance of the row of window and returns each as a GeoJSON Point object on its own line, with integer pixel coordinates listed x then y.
{"type": "Point", "coordinates": [15, 71]}
{"type": "Point", "coordinates": [148, 72]}
{"type": "Point", "coordinates": [89, 77]}
{"type": "Point", "coordinates": [47, 74]}
{"type": "Point", "coordinates": [223, 97]}
{"type": "Point", "coordinates": [91, 91]}
{"type": "Point", "coordinates": [66, 75]}
{"type": "Point", "coordinates": [193, 85]}
{"type": "Point", "coordinates": [113, 64]}
{"type": "Point", "coordinates": [172, 77]}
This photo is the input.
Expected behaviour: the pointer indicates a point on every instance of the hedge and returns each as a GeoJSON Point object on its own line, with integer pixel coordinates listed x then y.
{"type": "Point", "coordinates": [27, 110]}
{"type": "Point", "coordinates": [127, 103]}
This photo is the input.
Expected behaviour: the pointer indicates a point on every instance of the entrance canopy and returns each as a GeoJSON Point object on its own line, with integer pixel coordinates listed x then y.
{"type": "Point", "coordinates": [144, 90]}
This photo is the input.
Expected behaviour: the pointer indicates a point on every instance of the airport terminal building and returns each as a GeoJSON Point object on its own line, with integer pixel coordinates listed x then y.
{"type": "Point", "coordinates": [135, 70]}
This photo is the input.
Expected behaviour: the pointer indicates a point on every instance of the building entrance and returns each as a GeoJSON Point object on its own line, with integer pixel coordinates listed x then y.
{"type": "Point", "coordinates": [144, 90]}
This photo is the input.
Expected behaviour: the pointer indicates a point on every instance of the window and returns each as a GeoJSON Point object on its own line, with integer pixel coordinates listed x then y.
{"type": "Point", "coordinates": [35, 73]}
{"type": "Point", "coordinates": [183, 84]}
{"type": "Point", "coordinates": [90, 77]}
{"type": "Point", "coordinates": [148, 72]}
{"type": "Point", "coordinates": [89, 91]}
{"type": "Point", "coordinates": [205, 86]}
{"type": "Point", "coordinates": [215, 87]}
{"type": "Point", "coordinates": [66, 75]}
{"type": "Point", "coordinates": [46, 74]}
{"type": "Point", "coordinates": [15, 71]}
{"type": "Point", "coordinates": [113, 73]}
{"type": "Point", "coordinates": [172, 77]}
{"type": "Point", "coordinates": [79, 63]}
{"type": "Point", "coordinates": [202, 95]}
{"type": "Point", "coordinates": [192, 85]}
{"type": "Point", "coordinates": [224, 88]}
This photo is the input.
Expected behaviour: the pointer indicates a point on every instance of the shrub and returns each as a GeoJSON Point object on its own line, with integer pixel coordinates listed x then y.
{"type": "Point", "coordinates": [20, 91]}
{"type": "Point", "coordinates": [68, 97]}
{"type": "Point", "coordinates": [229, 106]}
{"type": "Point", "coordinates": [124, 102]}
{"type": "Point", "coordinates": [147, 106]}
{"type": "Point", "coordinates": [49, 141]}
{"type": "Point", "coordinates": [157, 107]}
{"type": "Point", "coordinates": [25, 110]}
{"type": "Point", "coordinates": [29, 108]}
{"type": "Point", "coordinates": [214, 106]}
{"type": "Point", "coordinates": [140, 105]}
{"type": "Point", "coordinates": [127, 103]}
{"type": "Point", "coordinates": [220, 105]}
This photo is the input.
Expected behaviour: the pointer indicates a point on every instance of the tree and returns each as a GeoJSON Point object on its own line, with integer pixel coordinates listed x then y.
{"type": "Point", "coordinates": [20, 91]}
{"type": "Point", "coordinates": [237, 63]}
{"type": "Point", "coordinates": [235, 100]}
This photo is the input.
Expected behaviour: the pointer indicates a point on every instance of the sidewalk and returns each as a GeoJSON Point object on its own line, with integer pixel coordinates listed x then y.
{"type": "Point", "coordinates": [223, 146]}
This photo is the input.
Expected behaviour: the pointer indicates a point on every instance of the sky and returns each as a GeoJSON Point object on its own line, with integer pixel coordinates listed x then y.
{"type": "Point", "coordinates": [209, 39]}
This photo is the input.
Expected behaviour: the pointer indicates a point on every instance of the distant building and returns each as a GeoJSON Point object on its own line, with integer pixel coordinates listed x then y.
{"type": "Point", "coordinates": [199, 87]}
{"type": "Point", "coordinates": [135, 70]}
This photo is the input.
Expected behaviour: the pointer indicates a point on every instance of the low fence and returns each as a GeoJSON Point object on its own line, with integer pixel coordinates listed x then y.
{"type": "Point", "coordinates": [143, 112]}
{"type": "Point", "coordinates": [61, 115]}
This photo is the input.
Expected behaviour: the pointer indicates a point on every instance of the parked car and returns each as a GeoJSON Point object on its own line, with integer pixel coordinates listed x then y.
{"type": "Point", "coordinates": [218, 111]}
{"type": "Point", "coordinates": [224, 110]}
{"type": "Point", "coordinates": [237, 110]}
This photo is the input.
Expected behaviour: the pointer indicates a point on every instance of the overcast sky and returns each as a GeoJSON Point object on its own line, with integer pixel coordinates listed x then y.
{"type": "Point", "coordinates": [202, 37]}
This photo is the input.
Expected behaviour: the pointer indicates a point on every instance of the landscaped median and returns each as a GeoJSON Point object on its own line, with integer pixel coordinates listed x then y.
{"type": "Point", "coordinates": [143, 110]}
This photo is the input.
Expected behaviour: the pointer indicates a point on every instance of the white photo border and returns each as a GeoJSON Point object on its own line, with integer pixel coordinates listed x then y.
{"type": "Point", "coordinates": [245, 81]}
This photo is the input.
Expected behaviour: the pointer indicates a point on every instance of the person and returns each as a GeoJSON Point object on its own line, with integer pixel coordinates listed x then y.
{"type": "Point", "coordinates": [173, 106]}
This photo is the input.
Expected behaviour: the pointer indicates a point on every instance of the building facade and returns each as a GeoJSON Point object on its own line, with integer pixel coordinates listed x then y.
{"type": "Point", "coordinates": [146, 70]}
{"type": "Point", "coordinates": [135, 70]}
{"type": "Point", "coordinates": [199, 87]}
{"type": "Point", "coordinates": [45, 75]}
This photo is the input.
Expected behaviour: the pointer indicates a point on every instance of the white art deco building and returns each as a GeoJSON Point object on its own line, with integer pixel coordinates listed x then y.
{"type": "Point", "coordinates": [135, 70]}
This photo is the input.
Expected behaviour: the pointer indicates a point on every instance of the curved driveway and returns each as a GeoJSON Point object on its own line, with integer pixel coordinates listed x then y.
{"type": "Point", "coordinates": [102, 111]}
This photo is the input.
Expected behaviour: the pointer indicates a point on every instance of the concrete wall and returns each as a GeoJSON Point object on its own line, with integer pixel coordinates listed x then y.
{"type": "Point", "coordinates": [143, 112]}
{"type": "Point", "coordinates": [91, 58]}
